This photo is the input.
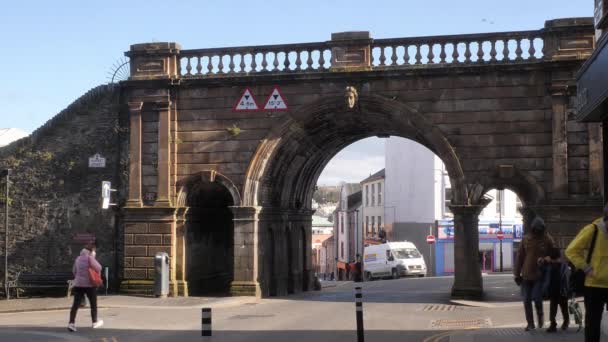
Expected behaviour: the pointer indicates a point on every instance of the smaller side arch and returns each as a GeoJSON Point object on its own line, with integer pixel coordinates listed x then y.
{"type": "Point", "coordinates": [210, 176]}
{"type": "Point", "coordinates": [525, 185]}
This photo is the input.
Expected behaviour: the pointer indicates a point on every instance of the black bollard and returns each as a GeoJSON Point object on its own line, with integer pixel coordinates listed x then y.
{"type": "Point", "coordinates": [206, 322]}
{"type": "Point", "coordinates": [359, 308]}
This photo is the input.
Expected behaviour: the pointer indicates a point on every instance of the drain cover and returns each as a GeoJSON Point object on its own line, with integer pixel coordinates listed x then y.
{"type": "Point", "coordinates": [461, 323]}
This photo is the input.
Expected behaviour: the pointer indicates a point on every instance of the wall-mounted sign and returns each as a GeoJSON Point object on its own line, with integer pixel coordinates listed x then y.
{"type": "Point", "coordinates": [97, 161]}
{"type": "Point", "coordinates": [246, 103]}
{"type": "Point", "coordinates": [83, 238]}
{"type": "Point", "coordinates": [275, 101]}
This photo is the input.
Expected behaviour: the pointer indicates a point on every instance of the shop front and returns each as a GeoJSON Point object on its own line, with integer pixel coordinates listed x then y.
{"type": "Point", "coordinates": [489, 245]}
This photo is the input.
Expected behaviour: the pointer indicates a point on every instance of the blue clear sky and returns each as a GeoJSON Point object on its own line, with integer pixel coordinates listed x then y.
{"type": "Point", "coordinates": [54, 51]}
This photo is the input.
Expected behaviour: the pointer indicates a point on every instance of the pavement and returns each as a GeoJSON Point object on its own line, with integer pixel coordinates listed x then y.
{"type": "Point", "coordinates": [418, 309]}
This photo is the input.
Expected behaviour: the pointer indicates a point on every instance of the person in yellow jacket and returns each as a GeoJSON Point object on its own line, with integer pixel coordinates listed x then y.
{"type": "Point", "coordinates": [596, 272]}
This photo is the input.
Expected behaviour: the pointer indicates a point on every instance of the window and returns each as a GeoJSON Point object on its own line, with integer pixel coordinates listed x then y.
{"type": "Point", "coordinates": [500, 194]}
{"type": "Point", "coordinates": [342, 249]}
{"type": "Point", "coordinates": [366, 225]}
{"type": "Point", "coordinates": [379, 222]}
{"type": "Point", "coordinates": [342, 224]}
{"type": "Point", "coordinates": [447, 200]}
{"type": "Point", "coordinates": [373, 223]}
{"type": "Point", "coordinates": [373, 194]}
{"type": "Point", "coordinates": [367, 195]}
{"type": "Point", "coordinates": [379, 193]}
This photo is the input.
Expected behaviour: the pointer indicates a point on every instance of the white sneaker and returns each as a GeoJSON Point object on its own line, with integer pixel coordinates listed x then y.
{"type": "Point", "coordinates": [98, 324]}
{"type": "Point", "coordinates": [72, 327]}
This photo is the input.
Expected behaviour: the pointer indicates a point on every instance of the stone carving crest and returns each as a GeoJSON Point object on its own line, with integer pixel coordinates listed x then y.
{"type": "Point", "coordinates": [351, 97]}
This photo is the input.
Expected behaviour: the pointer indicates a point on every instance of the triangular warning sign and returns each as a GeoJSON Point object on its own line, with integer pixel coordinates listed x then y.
{"type": "Point", "coordinates": [275, 101]}
{"type": "Point", "coordinates": [246, 102]}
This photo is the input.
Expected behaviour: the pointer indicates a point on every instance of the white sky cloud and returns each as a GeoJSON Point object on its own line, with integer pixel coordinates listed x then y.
{"type": "Point", "coordinates": [354, 163]}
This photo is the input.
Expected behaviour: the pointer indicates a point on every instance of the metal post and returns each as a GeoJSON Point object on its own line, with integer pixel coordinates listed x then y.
{"type": "Point", "coordinates": [359, 312]}
{"type": "Point", "coordinates": [502, 200]}
{"type": "Point", "coordinates": [8, 171]}
{"type": "Point", "coordinates": [206, 322]}
{"type": "Point", "coordinates": [429, 271]}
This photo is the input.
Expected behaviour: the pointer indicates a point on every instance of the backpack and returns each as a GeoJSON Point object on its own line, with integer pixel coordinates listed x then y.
{"type": "Point", "coordinates": [577, 279]}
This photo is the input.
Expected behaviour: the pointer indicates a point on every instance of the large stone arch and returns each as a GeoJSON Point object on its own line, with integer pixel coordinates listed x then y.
{"type": "Point", "coordinates": [280, 179]}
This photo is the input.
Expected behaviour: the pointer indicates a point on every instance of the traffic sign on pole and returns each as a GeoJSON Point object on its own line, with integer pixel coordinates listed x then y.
{"type": "Point", "coordinates": [430, 239]}
{"type": "Point", "coordinates": [500, 235]}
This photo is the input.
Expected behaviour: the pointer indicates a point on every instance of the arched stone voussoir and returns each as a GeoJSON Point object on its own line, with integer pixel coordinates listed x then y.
{"type": "Point", "coordinates": [524, 184]}
{"type": "Point", "coordinates": [299, 132]}
{"type": "Point", "coordinates": [211, 176]}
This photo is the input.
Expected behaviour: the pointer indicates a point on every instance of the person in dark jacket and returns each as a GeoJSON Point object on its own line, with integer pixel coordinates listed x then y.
{"type": "Point", "coordinates": [534, 247]}
{"type": "Point", "coordinates": [559, 289]}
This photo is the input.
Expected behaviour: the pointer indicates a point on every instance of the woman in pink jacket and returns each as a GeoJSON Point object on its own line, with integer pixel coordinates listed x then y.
{"type": "Point", "coordinates": [82, 285]}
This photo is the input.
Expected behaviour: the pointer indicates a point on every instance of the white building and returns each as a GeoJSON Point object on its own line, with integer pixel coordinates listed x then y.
{"type": "Point", "coordinates": [418, 193]}
{"type": "Point", "coordinates": [347, 229]}
{"type": "Point", "coordinates": [8, 135]}
{"type": "Point", "coordinates": [373, 215]}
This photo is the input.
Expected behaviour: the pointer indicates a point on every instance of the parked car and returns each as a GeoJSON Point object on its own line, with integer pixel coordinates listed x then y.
{"type": "Point", "coordinates": [393, 259]}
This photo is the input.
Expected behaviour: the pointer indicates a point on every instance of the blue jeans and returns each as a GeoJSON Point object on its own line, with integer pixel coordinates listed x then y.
{"type": "Point", "coordinates": [531, 291]}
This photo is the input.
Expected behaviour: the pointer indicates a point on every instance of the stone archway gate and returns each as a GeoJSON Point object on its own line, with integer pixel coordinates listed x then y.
{"type": "Point", "coordinates": [495, 107]}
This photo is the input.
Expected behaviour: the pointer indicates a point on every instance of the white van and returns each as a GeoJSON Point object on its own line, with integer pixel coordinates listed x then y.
{"type": "Point", "coordinates": [393, 259]}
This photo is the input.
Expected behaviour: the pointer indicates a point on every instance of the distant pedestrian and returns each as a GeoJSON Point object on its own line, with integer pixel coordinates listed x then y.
{"type": "Point", "coordinates": [593, 238]}
{"type": "Point", "coordinates": [559, 289]}
{"type": "Point", "coordinates": [83, 285]}
{"type": "Point", "coordinates": [534, 247]}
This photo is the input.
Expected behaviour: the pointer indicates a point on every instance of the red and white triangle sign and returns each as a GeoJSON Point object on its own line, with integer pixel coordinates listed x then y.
{"type": "Point", "coordinates": [275, 101]}
{"type": "Point", "coordinates": [246, 103]}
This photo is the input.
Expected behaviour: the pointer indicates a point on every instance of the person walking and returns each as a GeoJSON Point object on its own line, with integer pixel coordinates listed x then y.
{"type": "Point", "coordinates": [534, 247]}
{"type": "Point", "coordinates": [592, 238]}
{"type": "Point", "coordinates": [83, 285]}
{"type": "Point", "coordinates": [559, 289]}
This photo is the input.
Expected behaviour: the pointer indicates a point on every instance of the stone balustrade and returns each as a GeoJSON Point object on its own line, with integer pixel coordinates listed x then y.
{"type": "Point", "coordinates": [560, 39]}
{"type": "Point", "coordinates": [254, 59]}
{"type": "Point", "coordinates": [507, 47]}
{"type": "Point", "coordinates": [504, 47]}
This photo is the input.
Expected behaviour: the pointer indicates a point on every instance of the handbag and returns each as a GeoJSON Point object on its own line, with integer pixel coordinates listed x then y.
{"type": "Point", "coordinates": [578, 276]}
{"type": "Point", "coordinates": [94, 276]}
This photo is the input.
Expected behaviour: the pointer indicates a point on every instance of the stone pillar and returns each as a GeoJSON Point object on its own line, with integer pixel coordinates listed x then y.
{"type": "Point", "coordinates": [350, 51]}
{"type": "Point", "coordinates": [468, 283]}
{"type": "Point", "coordinates": [568, 38]}
{"type": "Point", "coordinates": [150, 61]}
{"type": "Point", "coordinates": [596, 181]}
{"type": "Point", "coordinates": [164, 150]}
{"type": "Point", "coordinates": [246, 252]}
{"type": "Point", "coordinates": [560, 145]}
{"type": "Point", "coordinates": [134, 196]}
{"type": "Point", "coordinates": [147, 231]}
{"type": "Point", "coordinates": [180, 252]}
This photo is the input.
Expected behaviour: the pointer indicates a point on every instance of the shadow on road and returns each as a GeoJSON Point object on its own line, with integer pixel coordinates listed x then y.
{"type": "Point", "coordinates": [497, 289]}
{"type": "Point", "coordinates": [26, 333]}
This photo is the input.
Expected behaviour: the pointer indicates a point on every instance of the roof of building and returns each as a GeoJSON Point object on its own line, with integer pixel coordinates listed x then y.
{"type": "Point", "coordinates": [320, 238]}
{"type": "Point", "coordinates": [354, 200]}
{"type": "Point", "coordinates": [378, 175]}
{"type": "Point", "coordinates": [8, 135]}
{"type": "Point", "coordinates": [319, 221]}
